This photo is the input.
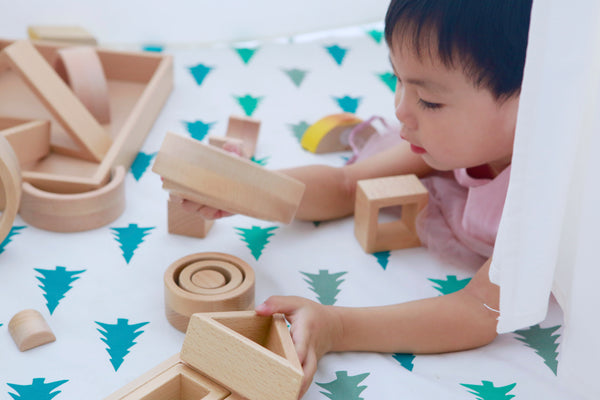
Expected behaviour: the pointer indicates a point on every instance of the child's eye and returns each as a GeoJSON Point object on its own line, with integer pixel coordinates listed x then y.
{"type": "Point", "coordinates": [429, 106]}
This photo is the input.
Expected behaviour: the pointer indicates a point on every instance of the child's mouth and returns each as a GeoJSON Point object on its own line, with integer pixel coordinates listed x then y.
{"type": "Point", "coordinates": [417, 149]}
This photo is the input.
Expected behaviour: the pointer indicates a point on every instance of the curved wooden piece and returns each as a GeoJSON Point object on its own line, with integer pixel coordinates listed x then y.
{"type": "Point", "coordinates": [235, 295]}
{"type": "Point", "coordinates": [29, 329]}
{"type": "Point", "coordinates": [330, 133]}
{"type": "Point", "coordinates": [76, 212]}
{"type": "Point", "coordinates": [10, 187]}
{"type": "Point", "coordinates": [205, 277]}
{"type": "Point", "coordinates": [81, 69]}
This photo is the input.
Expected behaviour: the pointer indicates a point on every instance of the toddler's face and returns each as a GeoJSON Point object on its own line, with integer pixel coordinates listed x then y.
{"type": "Point", "coordinates": [448, 121]}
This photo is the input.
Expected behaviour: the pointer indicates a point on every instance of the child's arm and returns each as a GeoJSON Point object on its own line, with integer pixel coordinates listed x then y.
{"type": "Point", "coordinates": [453, 322]}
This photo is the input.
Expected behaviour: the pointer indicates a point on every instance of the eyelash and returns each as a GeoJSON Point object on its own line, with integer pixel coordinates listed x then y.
{"type": "Point", "coordinates": [429, 106]}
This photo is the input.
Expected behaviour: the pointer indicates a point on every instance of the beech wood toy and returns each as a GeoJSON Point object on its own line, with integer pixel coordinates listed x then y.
{"type": "Point", "coordinates": [29, 139]}
{"type": "Point", "coordinates": [246, 129]}
{"type": "Point", "coordinates": [372, 195]}
{"type": "Point", "coordinates": [74, 212]}
{"type": "Point", "coordinates": [331, 133]}
{"type": "Point", "coordinates": [66, 34]}
{"type": "Point", "coordinates": [191, 286]}
{"type": "Point", "coordinates": [10, 187]}
{"type": "Point", "coordinates": [186, 223]}
{"type": "Point", "coordinates": [211, 176]}
{"type": "Point", "coordinates": [29, 329]}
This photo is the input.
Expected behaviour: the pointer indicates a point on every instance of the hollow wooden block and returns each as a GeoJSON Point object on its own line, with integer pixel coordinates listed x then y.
{"type": "Point", "coordinates": [29, 329]}
{"type": "Point", "coordinates": [246, 129]}
{"type": "Point", "coordinates": [91, 138]}
{"type": "Point", "coordinates": [251, 355]}
{"type": "Point", "coordinates": [63, 34]}
{"type": "Point", "coordinates": [30, 139]}
{"type": "Point", "coordinates": [211, 176]}
{"type": "Point", "coordinates": [186, 223]}
{"type": "Point", "coordinates": [372, 195]}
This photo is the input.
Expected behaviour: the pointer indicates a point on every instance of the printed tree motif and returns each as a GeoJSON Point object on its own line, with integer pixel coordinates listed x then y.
{"type": "Point", "coordinates": [450, 284]}
{"type": "Point", "coordinates": [246, 53]}
{"type": "Point", "coordinates": [140, 164]}
{"type": "Point", "coordinates": [487, 391]}
{"type": "Point", "coordinates": [15, 230]}
{"type": "Point", "coordinates": [56, 283]}
{"type": "Point", "coordinates": [299, 129]}
{"type": "Point", "coordinates": [383, 257]}
{"type": "Point", "coordinates": [130, 238]}
{"type": "Point", "coordinates": [198, 129]}
{"type": "Point", "coordinates": [199, 72]}
{"type": "Point", "coordinates": [316, 223]}
{"type": "Point", "coordinates": [38, 390]}
{"type": "Point", "coordinates": [154, 48]}
{"type": "Point", "coordinates": [119, 338]}
{"type": "Point", "coordinates": [344, 387]}
{"type": "Point", "coordinates": [405, 359]}
{"type": "Point", "coordinates": [543, 342]}
{"type": "Point", "coordinates": [260, 161]}
{"type": "Point", "coordinates": [376, 34]}
{"type": "Point", "coordinates": [389, 79]}
{"type": "Point", "coordinates": [338, 53]}
{"type": "Point", "coordinates": [296, 75]}
{"type": "Point", "coordinates": [348, 104]}
{"type": "Point", "coordinates": [248, 103]}
{"type": "Point", "coordinates": [325, 285]}
{"type": "Point", "coordinates": [256, 238]}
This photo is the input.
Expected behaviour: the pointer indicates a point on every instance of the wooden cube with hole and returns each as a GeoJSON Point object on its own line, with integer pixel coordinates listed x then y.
{"type": "Point", "coordinates": [373, 195]}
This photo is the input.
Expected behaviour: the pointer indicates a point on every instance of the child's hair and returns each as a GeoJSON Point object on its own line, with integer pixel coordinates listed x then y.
{"type": "Point", "coordinates": [488, 38]}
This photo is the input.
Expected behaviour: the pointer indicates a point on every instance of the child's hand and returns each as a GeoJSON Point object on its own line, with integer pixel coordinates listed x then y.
{"type": "Point", "coordinates": [204, 211]}
{"type": "Point", "coordinates": [314, 329]}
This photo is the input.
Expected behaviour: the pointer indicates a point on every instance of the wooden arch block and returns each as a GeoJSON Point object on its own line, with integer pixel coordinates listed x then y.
{"type": "Point", "coordinates": [372, 195]}
{"type": "Point", "coordinates": [29, 329]}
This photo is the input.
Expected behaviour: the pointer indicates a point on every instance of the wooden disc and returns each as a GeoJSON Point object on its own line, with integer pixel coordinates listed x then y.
{"type": "Point", "coordinates": [191, 277]}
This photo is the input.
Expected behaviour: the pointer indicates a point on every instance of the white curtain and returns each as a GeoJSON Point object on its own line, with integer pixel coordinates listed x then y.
{"type": "Point", "coordinates": [549, 236]}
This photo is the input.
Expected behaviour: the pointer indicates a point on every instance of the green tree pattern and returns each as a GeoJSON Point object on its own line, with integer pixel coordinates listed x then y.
{"type": "Point", "coordinates": [383, 258]}
{"type": "Point", "coordinates": [248, 103]}
{"type": "Point", "coordinates": [543, 341]}
{"type": "Point", "coordinates": [348, 104]}
{"type": "Point", "coordinates": [246, 53]}
{"type": "Point", "coordinates": [140, 164]}
{"type": "Point", "coordinates": [198, 129]}
{"type": "Point", "coordinates": [38, 390]}
{"type": "Point", "coordinates": [344, 387]}
{"type": "Point", "coordinates": [130, 238]}
{"type": "Point", "coordinates": [296, 75]}
{"type": "Point", "coordinates": [450, 285]}
{"type": "Point", "coordinates": [56, 283]}
{"type": "Point", "coordinates": [256, 238]}
{"type": "Point", "coordinates": [15, 230]}
{"type": "Point", "coordinates": [487, 391]}
{"type": "Point", "coordinates": [337, 53]}
{"type": "Point", "coordinates": [376, 34]}
{"type": "Point", "coordinates": [325, 285]}
{"type": "Point", "coordinates": [389, 79]}
{"type": "Point", "coordinates": [299, 129]}
{"type": "Point", "coordinates": [199, 72]}
{"type": "Point", "coordinates": [405, 359]}
{"type": "Point", "coordinates": [119, 338]}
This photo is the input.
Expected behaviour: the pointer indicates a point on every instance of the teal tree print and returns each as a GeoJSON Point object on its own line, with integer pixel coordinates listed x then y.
{"type": "Point", "coordinates": [389, 79]}
{"type": "Point", "coordinates": [38, 390]}
{"type": "Point", "coordinates": [56, 283]}
{"type": "Point", "coordinates": [450, 285]}
{"type": "Point", "coordinates": [15, 230]}
{"type": "Point", "coordinates": [248, 103]}
{"type": "Point", "coordinates": [376, 34]}
{"type": "Point", "coordinates": [325, 285]}
{"type": "Point", "coordinates": [344, 387]}
{"type": "Point", "coordinates": [383, 258]}
{"type": "Point", "coordinates": [543, 341]}
{"type": "Point", "coordinates": [246, 53]}
{"type": "Point", "coordinates": [130, 238]}
{"type": "Point", "coordinates": [296, 75]}
{"type": "Point", "coordinates": [119, 338]}
{"type": "Point", "coordinates": [337, 53]}
{"type": "Point", "coordinates": [299, 129]}
{"type": "Point", "coordinates": [198, 129]}
{"type": "Point", "coordinates": [348, 104]}
{"type": "Point", "coordinates": [199, 72]}
{"type": "Point", "coordinates": [154, 48]}
{"type": "Point", "coordinates": [487, 391]}
{"type": "Point", "coordinates": [260, 161]}
{"type": "Point", "coordinates": [405, 359]}
{"type": "Point", "coordinates": [141, 163]}
{"type": "Point", "coordinates": [256, 238]}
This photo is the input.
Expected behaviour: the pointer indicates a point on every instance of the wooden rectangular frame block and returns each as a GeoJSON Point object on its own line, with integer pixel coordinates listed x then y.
{"type": "Point", "coordinates": [246, 129]}
{"type": "Point", "coordinates": [219, 179]}
{"type": "Point", "coordinates": [372, 195]}
{"type": "Point", "coordinates": [139, 84]}
{"type": "Point", "coordinates": [186, 223]}
{"type": "Point", "coordinates": [30, 139]}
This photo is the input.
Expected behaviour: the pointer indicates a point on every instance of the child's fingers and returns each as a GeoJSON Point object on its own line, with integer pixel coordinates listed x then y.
{"type": "Point", "coordinates": [279, 304]}
{"type": "Point", "coordinates": [309, 367]}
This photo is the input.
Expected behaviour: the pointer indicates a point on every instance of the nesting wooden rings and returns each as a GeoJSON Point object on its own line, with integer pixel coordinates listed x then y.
{"type": "Point", "coordinates": [207, 282]}
{"type": "Point", "coordinates": [10, 187]}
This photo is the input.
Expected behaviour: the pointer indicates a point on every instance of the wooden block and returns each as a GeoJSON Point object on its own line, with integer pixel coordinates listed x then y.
{"type": "Point", "coordinates": [10, 187]}
{"type": "Point", "coordinates": [91, 138]}
{"type": "Point", "coordinates": [233, 145]}
{"type": "Point", "coordinates": [372, 195]}
{"type": "Point", "coordinates": [219, 179]}
{"type": "Point", "coordinates": [331, 133]}
{"type": "Point", "coordinates": [76, 212]}
{"type": "Point", "coordinates": [246, 129]}
{"type": "Point", "coordinates": [29, 329]}
{"type": "Point", "coordinates": [185, 296]}
{"type": "Point", "coordinates": [29, 139]}
{"type": "Point", "coordinates": [186, 223]}
{"type": "Point", "coordinates": [63, 34]}
{"type": "Point", "coordinates": [233, 349]}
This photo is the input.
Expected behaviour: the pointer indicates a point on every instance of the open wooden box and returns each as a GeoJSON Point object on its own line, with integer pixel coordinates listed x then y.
{"type": "Point", "coordinates": [138, 85]}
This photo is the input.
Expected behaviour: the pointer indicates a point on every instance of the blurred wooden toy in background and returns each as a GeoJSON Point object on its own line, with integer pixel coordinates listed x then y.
{"type": "Point", "coordinates": [61, 34]}
{"type": "Point", "coordinates": [331, 134]}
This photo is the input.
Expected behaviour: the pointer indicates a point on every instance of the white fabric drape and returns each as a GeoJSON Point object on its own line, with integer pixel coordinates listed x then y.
{"type": "Point", "coordinates": [548, 238]}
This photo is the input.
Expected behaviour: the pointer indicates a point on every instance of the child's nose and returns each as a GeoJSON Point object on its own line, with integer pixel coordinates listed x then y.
{"type": "Point", "coordinates": [403, 112]}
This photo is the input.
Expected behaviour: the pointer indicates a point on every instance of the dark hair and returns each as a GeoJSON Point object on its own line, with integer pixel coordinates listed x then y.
{"type": "Point", "coordinates": [488, 38]}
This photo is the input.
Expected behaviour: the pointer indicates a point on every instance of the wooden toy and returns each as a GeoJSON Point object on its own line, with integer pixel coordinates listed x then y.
{"type": "Point", "coordinates": [246, 129]}
{"type": "Point", "coordinates": [74, 212]}
{"type": "Point", "coordinates": [10, 187]}
{"type": "Point", "coordinates": [330, 134]}
{"type": "Point", "coordinates": [29, 139]}
{"type": "Point", "coordinates": [186, 290]}
{"type": "Point", "coordinates": [139, 83]}
{"type": "Point", "coordinates": [29, 329]}
{"type": "Point", "coordinates": [65, 34]}
{"type": "Point", "coordinates": [81, 69]}
{"type": "Point", "coordinates": [211, 176]}
{"type": "Point", "coordinates": [236, 146]}
{"type": "Point", "coordinates": [372, 195]}
{"type": "Point", "coordinates": [186, 223]}
{"type": "Point", "coordinates": [91, 139]}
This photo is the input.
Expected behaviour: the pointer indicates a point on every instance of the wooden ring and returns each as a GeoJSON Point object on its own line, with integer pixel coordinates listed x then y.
{"type": "Point", "coordinates": [190, 277]}
{"type": "Point", "coordinates": [81, 68]}
{"type": "Point", "coordinates": [180, 303]}
{"type": "Point", "coordinates": [10, 187]}
{"type": "Point", "coordinates": [29, 329]}
{"type": "Point", "coordinates": [74, 212]}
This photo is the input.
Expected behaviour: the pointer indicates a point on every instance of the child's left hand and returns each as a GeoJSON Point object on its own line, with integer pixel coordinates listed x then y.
{"type": "Point", "coordinates": [314, 329]}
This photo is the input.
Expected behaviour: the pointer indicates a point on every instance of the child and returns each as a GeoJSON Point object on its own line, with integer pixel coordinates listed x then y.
{"type": "Point", "coordinates": [459, 66]}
